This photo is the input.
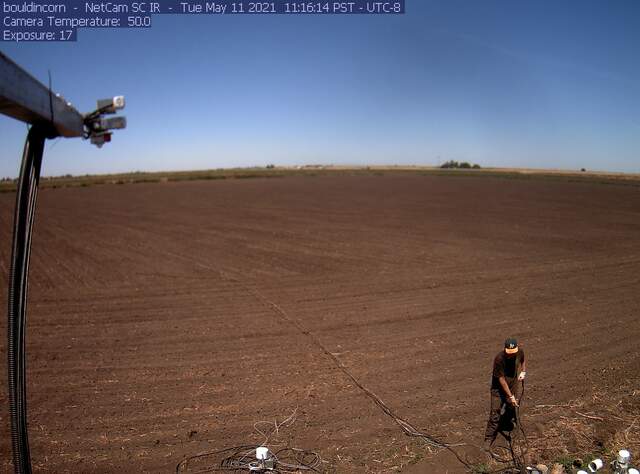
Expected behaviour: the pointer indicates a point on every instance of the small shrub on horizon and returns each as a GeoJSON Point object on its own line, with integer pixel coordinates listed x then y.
{"type": "Point", "coordinates": [452, 164]}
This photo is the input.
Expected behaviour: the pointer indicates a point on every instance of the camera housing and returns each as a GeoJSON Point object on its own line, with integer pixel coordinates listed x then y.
{"type": "Point", "coordinates": [97, 126]}
{"type": "Point", "coordinates": [111, 123]}
{"type": "Point", "coordinates": [110, 106]}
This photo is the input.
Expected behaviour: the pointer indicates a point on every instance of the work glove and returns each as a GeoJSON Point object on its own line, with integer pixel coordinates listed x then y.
{"type": "Point", "coordinates": [522, 376]}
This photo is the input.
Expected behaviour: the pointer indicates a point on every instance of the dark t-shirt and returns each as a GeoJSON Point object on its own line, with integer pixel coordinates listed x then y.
{"type": "Point", "coordinates": [506, 367]}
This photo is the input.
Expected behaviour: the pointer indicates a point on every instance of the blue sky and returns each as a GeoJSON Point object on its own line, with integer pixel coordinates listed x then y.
{"type": "Point", "coordinates": [537, 84]}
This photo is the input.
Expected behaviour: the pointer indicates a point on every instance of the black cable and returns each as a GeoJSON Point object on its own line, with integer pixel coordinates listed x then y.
{"type": "Point", "coordinates": [242, 458]}
{"type": "Point", "coordinates": [517, 461]}
{"type": "Point", "coordinates": [50, 97]}
{"type": "Point", "coordinates": [522, 460]}
{"type": "Point", "coordinates": [406, 427]}
{"type": "Point", "coordinates": [24, 216]}
{"type": "Point", "coordinates": [303, 460]}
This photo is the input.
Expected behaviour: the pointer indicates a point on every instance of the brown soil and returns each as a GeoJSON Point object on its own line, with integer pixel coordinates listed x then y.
{"type": "Point", "coordinates": [167, 319]}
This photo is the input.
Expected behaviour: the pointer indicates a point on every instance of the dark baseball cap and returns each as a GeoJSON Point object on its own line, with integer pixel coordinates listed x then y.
{"type": "Point", "coordinates": [511, 345]}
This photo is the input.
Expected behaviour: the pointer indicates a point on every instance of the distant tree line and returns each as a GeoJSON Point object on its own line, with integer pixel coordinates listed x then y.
{"type": "Point", "coordinates": [452, 164]}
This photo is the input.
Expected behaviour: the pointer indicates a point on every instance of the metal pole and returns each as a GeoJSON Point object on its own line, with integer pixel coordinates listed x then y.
{"type": "Point", "coordinates": [26, 195]}
{"type": "Point", "coordinates": [24, 98]}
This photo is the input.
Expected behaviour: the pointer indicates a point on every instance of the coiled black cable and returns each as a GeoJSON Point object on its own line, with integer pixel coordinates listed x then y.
{"type": "Point", "coordinates": [26, 196]}
{"type": "Point", "coordinates": [242, 459]}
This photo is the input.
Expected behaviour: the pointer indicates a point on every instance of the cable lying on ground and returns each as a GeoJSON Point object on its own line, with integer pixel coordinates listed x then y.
{"type": "Point", "coordinates": [243, 458]}
{"type": "Point", "coordinates": [407, 427]}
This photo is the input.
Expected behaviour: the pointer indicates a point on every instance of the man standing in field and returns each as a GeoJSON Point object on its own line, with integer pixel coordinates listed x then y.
{"type": "Point", "coordinates": [509, 370]}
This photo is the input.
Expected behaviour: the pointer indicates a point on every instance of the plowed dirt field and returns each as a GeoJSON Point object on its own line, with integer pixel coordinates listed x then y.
{"type": "Point", "coordinates": [167, 319]}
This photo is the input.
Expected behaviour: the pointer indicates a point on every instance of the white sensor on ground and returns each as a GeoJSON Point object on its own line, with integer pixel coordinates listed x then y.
{"type": "Point", "coordinates": [262, 453]}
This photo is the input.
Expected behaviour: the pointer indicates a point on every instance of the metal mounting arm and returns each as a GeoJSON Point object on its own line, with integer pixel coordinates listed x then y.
{"type": "Point", "coordinates": [25, 98]}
